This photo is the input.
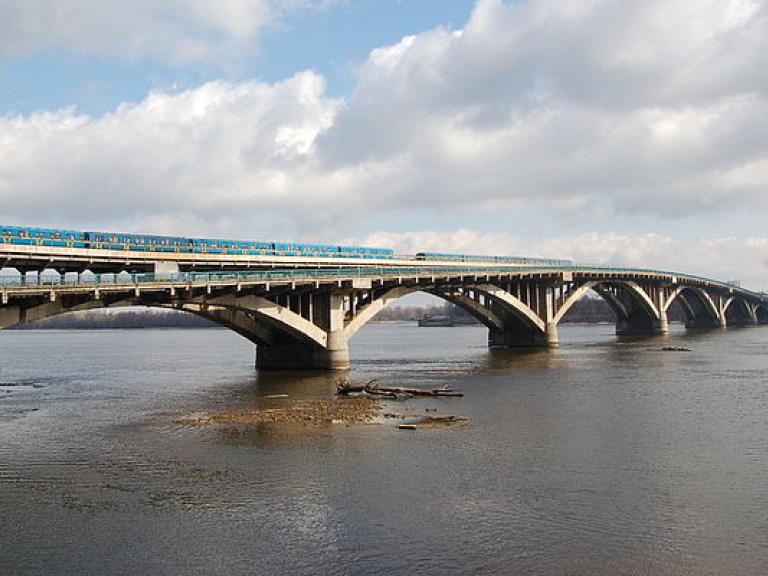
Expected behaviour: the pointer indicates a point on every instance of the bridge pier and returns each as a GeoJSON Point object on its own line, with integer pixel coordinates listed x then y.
{"type": "Point", "coordinates": [522, 337]}
{"type": "Point", "coordinates": [642, 325]}
{"type": "Point", "coordinates": [705, 323]}
{"type": "Point", "coordinates": [302, 356]}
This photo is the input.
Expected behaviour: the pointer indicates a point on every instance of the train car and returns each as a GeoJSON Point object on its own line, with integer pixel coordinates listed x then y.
{"type": "Point", "coordinates": [41, 236]}
{"type": "Point", "coordinates": [521, 260]}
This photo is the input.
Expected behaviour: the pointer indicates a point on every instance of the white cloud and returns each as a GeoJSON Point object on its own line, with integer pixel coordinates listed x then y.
{"type": "Point", "coordinates": [218, 150]}
{"type": "Point", "coordinates": [603, 99]}
{"type": "Point", "coordinates": [173, 31]}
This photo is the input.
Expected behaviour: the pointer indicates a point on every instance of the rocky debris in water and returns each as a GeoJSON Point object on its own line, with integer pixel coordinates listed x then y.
{"type": "Point", "coordinates": [305, 412]}
{"type": "Point", "coordinates": [434, 422]}
{"type": "Point", "coordinates": [20, 385]}
{"type": "Point", "coordinates": [353, 405]}
{"type": "Point", "coordinates": [373, 388]}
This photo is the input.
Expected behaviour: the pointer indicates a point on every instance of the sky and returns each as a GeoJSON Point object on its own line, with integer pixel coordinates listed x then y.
{"type": "Point", "coordinates": [605, 131]}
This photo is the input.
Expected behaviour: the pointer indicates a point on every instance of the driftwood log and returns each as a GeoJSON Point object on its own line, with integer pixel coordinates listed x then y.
{"type": "Point", "coordinates": [373, 388]}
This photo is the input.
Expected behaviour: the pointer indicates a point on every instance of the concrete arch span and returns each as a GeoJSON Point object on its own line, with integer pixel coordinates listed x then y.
{"type": "Point", "coordinates": [258, 320]}
{"type": "Point", "coordinates": [243, 324]}
{"type": "Point", "coordinates": [737, 312]}
{"type": "Point", "coordinates": [472, 305]}
{"type": "Point", "coordinates": [240, 323]}
{"type": "Point", "coordinates": [15, 315]}
{"type": "Point", "coordinates": [700, 308]}
{"type": "Point", "coordinates": [636, 308]}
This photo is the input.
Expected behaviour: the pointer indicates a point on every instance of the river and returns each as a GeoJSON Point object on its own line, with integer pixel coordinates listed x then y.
{"type": "Point", "coordinates": [603, 457]}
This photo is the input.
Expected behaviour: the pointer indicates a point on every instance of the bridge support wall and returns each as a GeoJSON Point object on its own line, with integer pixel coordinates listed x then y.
{"type": "Point", "coordinates": [519, 336]}
{"type": "Point", "coordinates": [705, 323]}
{"type": "Point", "coordinates": [299, 356]}
{"type": "Point", "coordinates": [642, 325]}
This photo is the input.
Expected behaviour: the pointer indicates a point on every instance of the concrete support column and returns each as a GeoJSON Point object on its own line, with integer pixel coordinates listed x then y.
{"type": "Point", "coordinates": [328, 312]}
{"type": "Point", "coordinates": [302, 356]}
{"type": "Point", "coordinates": [663, 323]}
{"type": "Point", "coordinates": [337, 348]}
{"type": "Point", "coordinates": [642, 325]}
{"type": "Point", "coordinates": [518, 336]}
{"type": "Point", "coordinates": [337, 351]}
{"type": "Point", "coordinates": [553, 340]}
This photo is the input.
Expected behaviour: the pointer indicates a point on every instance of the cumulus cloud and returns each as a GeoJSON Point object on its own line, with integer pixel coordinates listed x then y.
{"type": "Point", "coordinates": [174, 31]}
{"type": "Point", "coordinates": [589, 112]}
{"type": "Point", "coordinates": [537, 101]}
{"type": "Point", "coordinates": [217, 150]}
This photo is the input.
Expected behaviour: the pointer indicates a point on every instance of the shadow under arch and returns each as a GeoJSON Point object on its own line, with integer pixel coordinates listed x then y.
{"type": "Point", "coordinates": [738, 313]}
{"type": "Point", "coordinates": [761, 313]}
{"type": "Point", "coordinates": [698, 307]}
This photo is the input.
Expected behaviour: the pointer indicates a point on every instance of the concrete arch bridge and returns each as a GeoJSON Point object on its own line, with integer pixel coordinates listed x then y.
{"type": "Point", "coordinates": [305, 318]}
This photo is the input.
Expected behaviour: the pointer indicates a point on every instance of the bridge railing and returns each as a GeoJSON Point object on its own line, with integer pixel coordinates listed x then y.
{"type": "Point", "coordinates": [88, 279]}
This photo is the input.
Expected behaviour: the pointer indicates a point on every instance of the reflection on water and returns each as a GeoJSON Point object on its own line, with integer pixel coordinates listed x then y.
{"type": "Point", "coordinates": [604, 456]}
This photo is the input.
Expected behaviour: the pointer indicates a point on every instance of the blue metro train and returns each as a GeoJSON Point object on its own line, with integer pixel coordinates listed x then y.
{"type": "Point", "coordinates": [149, 243]}
{"type": "Point", "coordinates": [522, 260]}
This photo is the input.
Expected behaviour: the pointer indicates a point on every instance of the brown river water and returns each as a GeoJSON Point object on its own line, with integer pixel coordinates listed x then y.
{"type": "Point", "coordinates": [603, 457]}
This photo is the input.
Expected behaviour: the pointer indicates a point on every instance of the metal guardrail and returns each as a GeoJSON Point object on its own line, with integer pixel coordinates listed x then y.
{"type": "Point", "coordinates": [126, 279]}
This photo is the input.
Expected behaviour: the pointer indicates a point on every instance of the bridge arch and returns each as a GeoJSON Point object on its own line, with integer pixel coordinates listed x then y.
{"type": "Point", "coordinates": [507, 317]}
{"type": "Point", "coordinates": [374, 305]}
{"type": "Point", "coordinates": [473, 305]}
{"type": "Point", "coordinates": [738, 313]}
{"type": "Point", "coordinates": [699, 307]}
{"type": "Point", "coordinates": [240, 323]}
{"type": "Point", "coordinates": [570, 297]}
{"type": "Point", "coordinates": [635, 309]}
